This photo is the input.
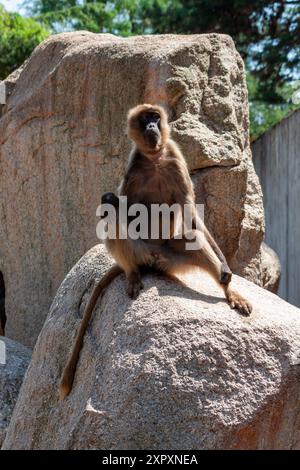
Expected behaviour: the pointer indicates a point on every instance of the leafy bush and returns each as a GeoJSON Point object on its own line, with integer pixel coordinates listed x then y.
{"type": "Point", "coordinates": [18, 37]}
{"type": "Point", "coordinates": [264, 114]}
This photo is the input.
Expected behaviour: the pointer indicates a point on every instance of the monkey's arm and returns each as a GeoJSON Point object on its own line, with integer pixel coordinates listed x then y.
{"type": "Point", "coordinates": [197, 222]}
{"type": "Point", "coordinates": [188, 197]}
{"type": "Point", "coordinates": [125, 183]}
{"type": "Point", "coordinates": [68, 375]}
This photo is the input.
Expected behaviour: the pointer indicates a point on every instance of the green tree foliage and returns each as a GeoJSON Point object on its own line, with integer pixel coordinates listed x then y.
{"type": "Point", "coordinates": [18, 37]}
{"type": "Point", "coordinates": [94, 16]}
{"type": "Point", "coordinates": [263, 114]}
{"type": "Point", "coordinates": [266, 32]}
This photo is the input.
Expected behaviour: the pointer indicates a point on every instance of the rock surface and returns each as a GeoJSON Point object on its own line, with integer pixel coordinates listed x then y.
{"type": "Point", "coordinates": [271, 268]}
{"type": "Point", "coordinates": [11, 377]}
{"type": "Point", "coordinates": [63, 143]}
{"type": "Point", "coordinates": [175, 369]}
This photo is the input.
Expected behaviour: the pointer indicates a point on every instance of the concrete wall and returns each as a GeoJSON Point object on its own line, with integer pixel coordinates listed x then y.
{"type": "Point", "coordinates": [276, 157]}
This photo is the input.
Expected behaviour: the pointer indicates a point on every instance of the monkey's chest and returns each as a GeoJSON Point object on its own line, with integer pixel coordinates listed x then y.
{"type": "Point", "coordinates": [157, 188]}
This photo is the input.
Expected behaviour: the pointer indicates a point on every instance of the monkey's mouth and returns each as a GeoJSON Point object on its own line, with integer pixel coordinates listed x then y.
{"type": "Point", "coordinates": [152, 138]}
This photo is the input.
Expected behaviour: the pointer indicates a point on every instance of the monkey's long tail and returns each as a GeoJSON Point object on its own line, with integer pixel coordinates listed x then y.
{"type": "Point", "coordinates": [68, 375]}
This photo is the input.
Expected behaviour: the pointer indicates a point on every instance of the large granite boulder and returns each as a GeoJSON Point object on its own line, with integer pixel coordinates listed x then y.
{"type": "Point", "coordinates": [63, 143]}
{"type": "Point", "coordinates": [271, 268]}
{"type": "Point", "coordinates": [14, 360]}
{"type": "Point", "coordinates": [174, 369]}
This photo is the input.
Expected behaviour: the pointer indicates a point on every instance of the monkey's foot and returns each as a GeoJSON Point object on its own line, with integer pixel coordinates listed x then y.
{"type": "Point", "coordinates": [134, 285]}
{"type": "Point", "coordinates": [240, 303]}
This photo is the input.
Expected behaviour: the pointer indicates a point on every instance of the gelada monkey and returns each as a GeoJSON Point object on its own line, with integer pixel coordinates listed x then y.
{"type": "Point", "coordinates": [157, 173]}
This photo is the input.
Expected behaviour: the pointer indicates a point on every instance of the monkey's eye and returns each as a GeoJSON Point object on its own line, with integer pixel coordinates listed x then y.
{"type": "Point", "coordinates": [149, 117]}
{"type": "Point", "coordinates": [154, 117]}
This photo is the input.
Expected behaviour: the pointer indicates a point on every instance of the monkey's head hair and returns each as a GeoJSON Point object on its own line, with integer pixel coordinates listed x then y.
{"type": "Point", "coordinates": [135, 130]}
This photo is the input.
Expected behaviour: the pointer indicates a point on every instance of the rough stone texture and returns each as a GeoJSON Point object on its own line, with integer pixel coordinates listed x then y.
{"type": "Point", "coordinates": [271, 268]}
{"type": "Point", "coordinates": [63, 143]}
{"type": "Point", "coordinates": [175, 369]}
{"type": "Point", "coordinates": [11, 377]}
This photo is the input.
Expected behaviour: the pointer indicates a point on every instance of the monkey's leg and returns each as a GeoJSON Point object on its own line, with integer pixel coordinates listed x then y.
{"type": "Point", "coordinates": [134, 284]}
{"type": "Point", "coordinates": [131, 255]}
{"type": "Point", "coordinates": [123, 251]}
{"type": "Point", "coordinates": [175, 258]}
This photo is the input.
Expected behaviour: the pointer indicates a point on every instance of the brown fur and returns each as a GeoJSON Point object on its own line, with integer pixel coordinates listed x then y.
{"type": "Point", "coordinates": [156, 176]}
{"type": "Point", "coordinates": [133, 129]}
{"type": "Point", "coordinates": [67, 379]}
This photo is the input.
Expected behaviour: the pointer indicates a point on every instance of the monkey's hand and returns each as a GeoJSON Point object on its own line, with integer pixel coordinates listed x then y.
{"type": "Point", "coordinates": [110, 198]}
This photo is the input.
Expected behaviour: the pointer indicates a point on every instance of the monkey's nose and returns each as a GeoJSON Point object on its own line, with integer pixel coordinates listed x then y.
{"type": "Point", "coordinates": [151, 126]}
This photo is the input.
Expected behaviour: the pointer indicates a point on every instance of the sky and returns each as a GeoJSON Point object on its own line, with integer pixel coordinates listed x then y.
{"type": "Point", "coordinates": [12, 5]}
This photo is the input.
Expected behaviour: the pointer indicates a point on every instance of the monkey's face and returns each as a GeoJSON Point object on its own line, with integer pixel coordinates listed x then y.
{"type": "Point", "coordinates": [149, 122]}
{"type": "Point", "coordinates": [147, 126]}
